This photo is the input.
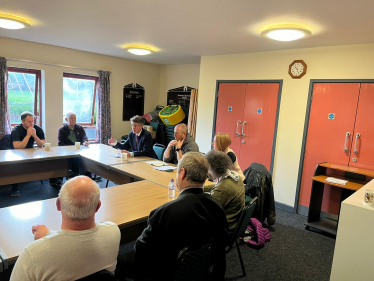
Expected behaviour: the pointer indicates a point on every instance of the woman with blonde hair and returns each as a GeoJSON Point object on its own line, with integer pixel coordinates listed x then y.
{"type": "Point", "coordinates": [221, 142]}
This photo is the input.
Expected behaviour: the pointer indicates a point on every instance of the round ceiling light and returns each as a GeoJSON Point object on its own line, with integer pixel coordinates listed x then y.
{"type": "Point", "coordinates": [12, 22]}
{"type": "Point", "coordinates": [139, 51]}
{"type": "Point", "coordinates": [286, 33]}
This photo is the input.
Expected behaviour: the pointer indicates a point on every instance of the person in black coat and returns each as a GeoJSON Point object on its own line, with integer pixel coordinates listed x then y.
{"type": "Point", "coordinates": [139, 142]}
{"type": "Point", "coordinates": [194, 218]}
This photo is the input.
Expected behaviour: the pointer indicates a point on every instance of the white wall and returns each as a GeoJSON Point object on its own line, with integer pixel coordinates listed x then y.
{"type": "Point", "coordinates": [123, 72]}
{"type": "Point", "coordinates": [173, 76]}
{"type": "Point", "coordinates": [342, 62]}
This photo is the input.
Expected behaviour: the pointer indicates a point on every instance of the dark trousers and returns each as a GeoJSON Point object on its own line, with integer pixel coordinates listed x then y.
{"type": "Point", "coordinates": [74, 165]}
{"type": "Point", "coordinates": [15, 187]}
{"type": "Point", "coordinates": [127, 268]}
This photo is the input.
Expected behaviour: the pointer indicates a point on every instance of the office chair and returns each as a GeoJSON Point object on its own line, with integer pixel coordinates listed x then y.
{"type": "Point", "coordinates": [240, 229]}
{"type": "Point", "coordinates": [193, 263]}
{"type": "Point", "coordinates": [159, 150]}
{"type": "Point", "coordinates": [102, 275]}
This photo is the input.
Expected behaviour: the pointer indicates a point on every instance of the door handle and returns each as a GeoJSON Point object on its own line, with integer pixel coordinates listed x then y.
{"type": "Point", "coordinates": [345, 143]}
{"type": "Point", "coordinates": [237, 125]}
{"type": "Point", "coordinates": [357, 136]}
{"type": "Point", "coordinates": [245, 122]}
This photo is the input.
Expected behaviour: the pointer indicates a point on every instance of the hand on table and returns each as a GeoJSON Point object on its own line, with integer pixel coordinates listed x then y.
{"type": "Point", "coordinates": [39, 231]}
{"type": "Point", "coordinates": [112, 141]}
{"type": "Point", "coordinates": [125, 151]}
{"type": "Point", "coordinates": [86, 143]}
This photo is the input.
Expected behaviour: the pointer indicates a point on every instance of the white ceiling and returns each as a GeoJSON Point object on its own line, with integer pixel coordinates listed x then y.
{"type": "Point", "coordinates": [184, 30]}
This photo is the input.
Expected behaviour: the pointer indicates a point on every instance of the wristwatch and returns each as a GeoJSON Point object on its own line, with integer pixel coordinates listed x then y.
{"type": "Point", "coordinates": [178, 149]}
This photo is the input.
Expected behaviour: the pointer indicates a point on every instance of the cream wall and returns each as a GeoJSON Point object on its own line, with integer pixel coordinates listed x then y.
{"type": "Point", "coordinates": [342, 62]}
{"type": "Point", "coordinates": [123, 72]}
{"type": "Point", "coordinates": [173, 76]}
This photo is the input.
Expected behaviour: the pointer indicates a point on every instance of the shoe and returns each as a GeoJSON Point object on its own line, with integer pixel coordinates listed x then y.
{"type": "Point", "coordinates": [57, 185]}
{"type": "Point", "coordinates": [15, 193]}
{"type": "Point", "coordinates": [98, 179]}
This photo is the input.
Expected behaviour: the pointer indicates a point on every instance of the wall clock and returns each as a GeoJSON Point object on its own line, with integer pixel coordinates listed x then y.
{"type": "Point", "coordinates": [297, 69]}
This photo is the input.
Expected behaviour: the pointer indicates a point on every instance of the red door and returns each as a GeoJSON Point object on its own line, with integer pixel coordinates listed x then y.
{"type": "Point", "coordinates": [332, 115]}
{"type": "Point", "coordinates": [258, 124]}
{"type": "Point", "coordinates": [364, 156]}
{"type": "Point", "coordinates": [230, 111]}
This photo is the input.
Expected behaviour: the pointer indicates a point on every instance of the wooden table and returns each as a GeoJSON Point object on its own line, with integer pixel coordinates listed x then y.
{"type": "Point", "coordinates": [23, 165]}
{"type": "Point", "coordinates": [125, 205]}
{"type": "Point", "coordinates": [144, 171]}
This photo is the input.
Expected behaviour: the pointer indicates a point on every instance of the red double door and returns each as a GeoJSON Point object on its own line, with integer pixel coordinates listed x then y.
{"type": "Point", "coordinates": [247, 112]}
{"type": "Point", "coordinates": [340, 131]}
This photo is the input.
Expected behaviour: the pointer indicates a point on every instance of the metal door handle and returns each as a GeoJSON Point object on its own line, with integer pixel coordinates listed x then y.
{"type": "Point", "coordinates": [245, 122]}
{"type": "Point", "coordinates": [237, 125]}
{"type": "Point", "coordinates": [345, 143]}
{"type": "Point", "coordinates": [357, 136]}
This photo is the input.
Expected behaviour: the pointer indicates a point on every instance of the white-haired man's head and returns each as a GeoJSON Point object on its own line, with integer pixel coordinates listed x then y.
{"type": "Point", "coordinates": [79, 198]}
{"type": "Point", "coordinates": [71, 118]}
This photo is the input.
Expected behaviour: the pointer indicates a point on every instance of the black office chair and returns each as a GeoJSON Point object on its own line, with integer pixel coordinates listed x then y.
{"type": "Point", "coordinates": [240, 229]}
{"type": "Point", "coordinates": [4, 142]}
{"type": "Point", "coordinates": [194, 262]}
{"type": "Point", "coordinates": [102, 275]}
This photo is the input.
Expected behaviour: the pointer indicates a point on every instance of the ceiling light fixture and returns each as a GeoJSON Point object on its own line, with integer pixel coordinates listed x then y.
{"type": "Point", "coordinates": [12, 22]}
{"type": "Point", "coordinates": [139, 50]}
{"type": "Point", "coordinates": [286, 33]}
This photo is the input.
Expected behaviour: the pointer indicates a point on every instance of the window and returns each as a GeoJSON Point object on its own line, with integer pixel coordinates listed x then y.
{"type": "Point", "coordinates": [79, 96]}
{"type": "Point", "coordinates": [24, 94]}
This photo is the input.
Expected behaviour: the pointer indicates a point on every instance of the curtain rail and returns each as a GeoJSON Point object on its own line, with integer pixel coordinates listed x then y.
{"type": "Point", "coordinates": [52, 64]}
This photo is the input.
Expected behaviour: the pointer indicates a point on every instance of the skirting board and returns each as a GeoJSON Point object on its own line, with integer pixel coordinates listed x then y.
{"type": "Point", "coordinates": [284, 207]}
{"type": "Point", "coordinates": [303, 210]}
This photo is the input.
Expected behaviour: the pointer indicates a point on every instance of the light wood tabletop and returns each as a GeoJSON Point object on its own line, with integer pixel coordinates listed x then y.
{"type": "Point", "coordinates": [124, 205]}
{"type": "Point", "coordinates": [12, 156]}
{"type": "Point", "coordinates": [144, 171]}
{"type": "Point", "coordinates": [104, 154]}
{"type": "Point", "coordinates": [23, 165]}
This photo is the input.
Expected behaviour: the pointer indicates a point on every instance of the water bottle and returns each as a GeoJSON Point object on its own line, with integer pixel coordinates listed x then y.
{"type": "Point", "coordinates": [171, 189]}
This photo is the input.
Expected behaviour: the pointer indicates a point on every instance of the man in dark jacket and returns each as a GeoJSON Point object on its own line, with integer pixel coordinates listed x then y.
{"type": "Point", "coordinates": [193, 219]}
{"type": "Point", "coordinates": [69, 134]}
{"type": "Point", "coordinates": [139, 142]}
{"type": "Point", "coordinates": [182, 144]}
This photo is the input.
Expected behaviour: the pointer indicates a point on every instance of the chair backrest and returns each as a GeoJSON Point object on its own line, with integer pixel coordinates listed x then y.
{"type": "Point", "coordinates": [4, 142]}
{"type": "Point", "coordinates": [102, 275]}
{"type": "Point", "coordinates": [243, 222]}
{"type": "Point", "coordinates": [159, 150]}
{"type": "Point", "coordinates": [193, 263]}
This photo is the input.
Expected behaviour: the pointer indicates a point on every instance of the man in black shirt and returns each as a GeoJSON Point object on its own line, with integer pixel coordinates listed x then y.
{"type": "Point", "coordinates": [25, 135]}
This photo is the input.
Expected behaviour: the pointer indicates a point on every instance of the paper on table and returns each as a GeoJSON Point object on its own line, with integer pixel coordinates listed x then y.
{"type": "Point", "coordinates": [164, 168]}
{"type": "Point", "coordinates": [156, 163]}
{"type": "Point", "coordinates": [116, 155]}
{"type": "Point", "coordinates": [335, 180]}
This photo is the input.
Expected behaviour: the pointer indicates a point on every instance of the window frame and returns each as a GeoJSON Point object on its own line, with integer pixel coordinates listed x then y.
{"type": "Point", "coordinates": [85, 77]}
{"type": "Point", "coordinates": [38, 92]}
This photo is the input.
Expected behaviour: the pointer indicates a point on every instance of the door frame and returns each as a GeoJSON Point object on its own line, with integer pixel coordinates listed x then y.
{"type": "Point", "coordinates": [306, 126]}
{"type": "Point", "coordinates": [280, 82]}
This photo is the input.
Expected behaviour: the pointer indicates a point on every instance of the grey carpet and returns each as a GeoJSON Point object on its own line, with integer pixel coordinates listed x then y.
{"type": "Point", "coordinates": [293, 253]}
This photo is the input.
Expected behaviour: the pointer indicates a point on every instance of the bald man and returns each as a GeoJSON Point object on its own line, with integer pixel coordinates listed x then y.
{"type": "Point", "coordinates": [182, 144]}
{"type": "Point", "coordinates": [80, 248]}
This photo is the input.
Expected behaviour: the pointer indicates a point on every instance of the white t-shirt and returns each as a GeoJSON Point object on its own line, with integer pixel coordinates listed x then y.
{"type": "Point", "coordinates": [69, 255]}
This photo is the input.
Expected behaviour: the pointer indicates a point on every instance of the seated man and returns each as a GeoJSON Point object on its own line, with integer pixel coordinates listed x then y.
{"type": "Point", "coordinates": [140, 141]}
{"type": "Point", "coordinates": [25, 135]}
{"type": "Point", "coordinates": [182, 144]}
{"type": "Point", "coordinates": [194, 218]}
{"type": "Point", "coordinates": [228, 188]}
{"type": "Point", "coordinates": [69, 134]}
{"type": "Point", "coordinates": [80, 248]}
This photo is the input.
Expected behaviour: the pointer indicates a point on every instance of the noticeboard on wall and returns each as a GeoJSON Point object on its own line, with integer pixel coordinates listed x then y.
{"type": "Point", "coordinates": [133, 101]}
